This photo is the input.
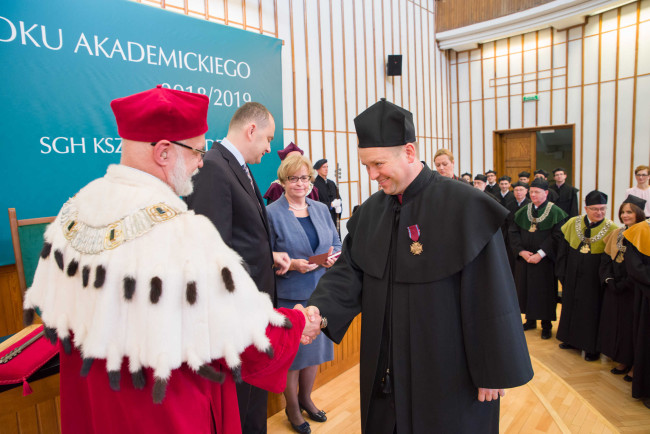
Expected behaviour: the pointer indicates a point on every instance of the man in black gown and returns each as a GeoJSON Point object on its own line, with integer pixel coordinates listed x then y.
{"type": "Point", "coordinates": [567, 195]}
{"type": "Point", "coordinates": [578, 263]}
{"type": "Point", "coordinates": [504, 194]}
{"type": "Point", "coordinates": [520, 193]}
{"type": "Point", "coordinates": [441, 326]}
{"type": "Point", "coordinates": [534, 236]}
{"type": "Point", "coordinates": [492, 186]}
{"type": "Point", "coordinates": [552, 194]}
{"type": "Point", "coordinates": [328, 193]}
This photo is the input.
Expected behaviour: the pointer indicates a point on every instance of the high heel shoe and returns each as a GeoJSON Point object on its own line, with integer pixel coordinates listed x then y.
{"type": "Point", "coordinates": [303, 428]}
{"type": "Point", "coordinates": [318, 417]}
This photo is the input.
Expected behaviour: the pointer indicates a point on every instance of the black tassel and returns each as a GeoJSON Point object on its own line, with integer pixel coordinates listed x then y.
{"type": "Point", "coordinates": [208, 372]}
{"type": "Point", "coordinates": [226, 275]}
{"type": "Point", "coordinates": [86, 364]}
{"type": "Point", "coordinates": [114, 380]}
{"type": "Point", "coordinates": [387, 384]}
{"type": "Point", "coordinates": [85, 275]}
{"type": "Point", "coordinates": [129, 287]}
{"type": "Point", "coordinates": [47, 248]}
{"type": "Point", "coordinates": [236, 374]}
{"type": "Point", "coordinates": [269, 352]}
{"type": "Point", "coordinates": [73, 266]}
{"type": "Point", "coordinates": [190, 292]}
{"type": "Point", "coordinates": [67, 345]}
{"type": "Point", "coordinates": [58, 257]}
{"type": "Point", "coordinates": [156, 290]}
{"type": "Point", "coordinates": [159, 390]}
{"type": "Point", "coordinates": [28, 317]}
{"type": "Point", "coordinates": [138, 379]}
{"type": "Point", "coordinates": [100, 276]}
{"type": "Point", "coordinates": [50, 334]}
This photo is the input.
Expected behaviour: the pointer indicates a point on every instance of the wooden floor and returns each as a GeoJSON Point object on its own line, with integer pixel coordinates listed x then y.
{"type": "Point", "coordinates": [567, 395]}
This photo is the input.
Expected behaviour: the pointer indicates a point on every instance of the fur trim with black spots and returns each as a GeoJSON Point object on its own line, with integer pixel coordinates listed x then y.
{"type": "Point", "coordinates": [73, 266]}
{"type": "Point", "coordinates": [208, 372]}
{"type": "Point", "coordinates": [236, 374]}
{"type": "Point", "coordinates": [86, 364]}
{"type": "Point", "coordinates": [114, 380]}
{"type": "Point", "coordinates": [226, 275]}
{"type": "Point", "coordinates": [138, 379]}
{"type": "Point", "coordinates": [190, 292]}
{"type": "Point", "coordinates": [85, 275]}
{"type": "Point", "coordinates": [100, 276]}
{"type": "Point", "coordinates": [129, 287]}
{"type": "Point", "coordinates": [45, 251]}
{"type": "Point", "coordinates": [28, 316]}
{"type": "Point", "coordinates": [58, 257]}
{"type": "Point", "coordinates": [156, 290]}
{"type": "Point", "coordinates": [67, 345]}
{"type": "Point", "coordinates": [159, 390]}
{"type": "Point", "coordinates": [50, 334]}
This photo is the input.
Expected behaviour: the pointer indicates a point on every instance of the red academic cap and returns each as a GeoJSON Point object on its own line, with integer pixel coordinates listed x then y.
{"type": "Point", "coordinates": [291, 148]}
{"type": "Point", "coordinates": [161, 114]}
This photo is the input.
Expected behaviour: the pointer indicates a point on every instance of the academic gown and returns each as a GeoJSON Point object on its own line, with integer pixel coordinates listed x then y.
{"type": "Point", "coordinates": [449, 315]}
{"type": "Point", "coordinates": [582, 292]}
{"type": "Point", "coordinates": [616, 318]}
{"type": "Point", "coordinates": [327, 192]}
{"type": "Point", "coordinates": [567, 198]}
{"type": "Point", "coordinates": [637, 264]}
{"type": "Point", "coordinates": [513, 207]}
{"type": "Point", "coordinates": [536, 283]}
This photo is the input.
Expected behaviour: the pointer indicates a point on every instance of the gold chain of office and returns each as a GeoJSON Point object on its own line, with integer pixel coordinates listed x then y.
{"type": "Point", "coordinates": [534, 221]}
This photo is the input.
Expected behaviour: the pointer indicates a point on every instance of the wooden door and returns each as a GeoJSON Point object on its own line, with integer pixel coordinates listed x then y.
{"type": "Point", "coordinates": [515, 153]}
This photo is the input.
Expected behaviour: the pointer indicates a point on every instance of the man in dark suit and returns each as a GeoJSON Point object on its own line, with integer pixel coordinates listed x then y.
{"type": "Point", "coordinates": [552, 194]}
{"type": "Point", "coordinates": [520, 196]}
{"type": "Point", "coordinates": [492, 186]}
{"type": "Point", "coordinates": [328, 192]}
{"type": "Point", "coordinates": [504, 195]}
{"type": "Point", "coordinates": [226, 193]}
{"type": "Point", "coordinates": [567, 194]}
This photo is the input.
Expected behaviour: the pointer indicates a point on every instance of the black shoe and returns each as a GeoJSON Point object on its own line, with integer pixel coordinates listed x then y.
{"type": "Point", "coordinates": [628, 378]}
{"type": "Point", "coordinates": [617, 371]}
{"type": "Point", "coordinates": [546, 334]}
{"type": "Point", "coordinates": [530, 325]}
{"type": "Point", "coordinates": [566, 346]}
{"type": "Point", "coordinates": [318, 417]}
{"type": "Point", "coordinates": [303, 428]}
{"type": "Point", "coordinates": [592, 357]}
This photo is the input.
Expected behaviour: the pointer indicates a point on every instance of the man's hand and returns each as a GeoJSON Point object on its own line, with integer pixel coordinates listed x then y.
{"type": "Point", "coordinates": [312, 324]}
{"type": "Point", "coordinates": [525, 254]}
{"type": "Point", "coordinates": [302, 265]}
{"type": "Point", "coordinates": [534, 259]}
{"type": "Point", "coordinates": [281, 262]}
{"type": "Point", "coordinates": [490, 394]}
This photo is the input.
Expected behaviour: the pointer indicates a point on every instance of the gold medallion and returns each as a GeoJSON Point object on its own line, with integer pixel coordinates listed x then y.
{"type": "Point", "coordinates": [585, 248]}
{"type": "Point", "coordinates": [416, 248]}
{"type": "Point", "coordinates": [533, 228]}
{"type": "Point", "coordinates": [619, 257]}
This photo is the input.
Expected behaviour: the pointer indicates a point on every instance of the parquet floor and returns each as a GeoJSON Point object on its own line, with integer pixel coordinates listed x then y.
{"type": "Point", "coordinates": [567, 395]}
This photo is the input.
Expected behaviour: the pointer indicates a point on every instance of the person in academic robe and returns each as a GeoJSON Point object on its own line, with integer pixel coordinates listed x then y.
{"type": "Point", "coordinates": [616, 318]}
{"type": "Point", "coordinates": [637, 265]}
{"type": "Point", "coordinates": [504, 195]}
{"type": "Point", "coordinates": [276, 190]}
{"type": "Point", "coordinates": [441, 333]}
{"type": "Point", "coordinates": [642, 187]}
{"type": "Point", "coordinates": [552, 194]}
{"type": "Point", "coordinates": [520, 193]}
{"type": "Point", "coordinates": [480, 183]}
{"type": "Point", "coordinates": [492, 186]}
{"type": "Point", "coordinates": [578, 263]}
{"type": "Point", "coordinates": [227, 194]}
{"type": "Point", "coordinates": [534, 237]}
{"type": "Point", "coordinates": [467, 177]}
{"type": "Point", "coordinates": [524, 177]}
{"type": "Point", "coordinates": [303, 228]}
{"type": "Point", "coordinates": [567, 195]}
{"type": "Point", "coordinates": [328, 192]}
{"type": "Point", "coordinates": [156, 316]}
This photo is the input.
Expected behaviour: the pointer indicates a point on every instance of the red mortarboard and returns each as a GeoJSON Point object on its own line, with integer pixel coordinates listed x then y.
{"type": "Point", "coordinates": [291, 148]}
{"type": "Point", "coordinates": [161, 114]}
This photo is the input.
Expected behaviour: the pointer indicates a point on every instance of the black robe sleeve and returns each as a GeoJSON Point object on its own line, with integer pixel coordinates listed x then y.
{"type": "Point", "coordinates": [550, 244]}
{"type": "Point", "coordinates": [515, 238]}
{"type": "Point", "coordinates": [638, 268]}
{"type": "Point", "coordinates": [561, 260]}
{"type": "Point", "coordinates": [497, 354]}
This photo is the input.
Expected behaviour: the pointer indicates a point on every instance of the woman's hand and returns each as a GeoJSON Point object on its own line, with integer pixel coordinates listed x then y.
{"type": "Point", "coordinates": [330, 260]}
{"type": "Point", "coordinates": [302, 265]}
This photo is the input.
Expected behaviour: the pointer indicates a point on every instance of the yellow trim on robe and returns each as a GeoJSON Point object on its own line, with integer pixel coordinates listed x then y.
{"type": "Point", "coordinates": [639, 236]}
{"type": "Point", "coordinates": [570, 235]}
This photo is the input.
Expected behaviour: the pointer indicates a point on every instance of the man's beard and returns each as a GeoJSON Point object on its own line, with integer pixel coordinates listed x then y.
{"type": "Point", "coordinates": [181, 182]}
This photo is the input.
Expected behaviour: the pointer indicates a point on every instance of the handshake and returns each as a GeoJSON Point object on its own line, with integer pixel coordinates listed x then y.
{"type": "Point", "coordinates": [313, 323]}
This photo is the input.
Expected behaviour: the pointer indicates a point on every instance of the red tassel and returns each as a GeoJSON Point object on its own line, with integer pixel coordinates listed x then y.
{"type": "Point", "coordinates": [26, 389]}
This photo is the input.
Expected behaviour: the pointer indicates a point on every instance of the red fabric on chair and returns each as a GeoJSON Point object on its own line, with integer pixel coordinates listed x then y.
{"type": "Point", "coordinates": [27, 361]}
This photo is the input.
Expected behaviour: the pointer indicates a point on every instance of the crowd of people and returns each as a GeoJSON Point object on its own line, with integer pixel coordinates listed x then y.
{"type": "Point", "coordinates": [603, 305]}
{"type": "Point", "coordinates": [207, 302]}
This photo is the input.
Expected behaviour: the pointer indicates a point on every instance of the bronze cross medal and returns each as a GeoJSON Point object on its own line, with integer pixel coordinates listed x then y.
{"type": "Point", "coordinates": [414, 235]}
{"type": "Point", "coordinates": [533, 227]}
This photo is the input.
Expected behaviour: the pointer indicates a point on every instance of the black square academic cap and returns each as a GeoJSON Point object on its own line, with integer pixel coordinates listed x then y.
{"type": "Point", "coordinates": [384, 124]}
{"type": "Point", "coordinates": [539, 183]}
{"type": "Point", "coordinates": [524, 174]}
{"type": "Point", "coordinates": [596, 198]}
{"type": "Point", "coordinates": [635, 200]}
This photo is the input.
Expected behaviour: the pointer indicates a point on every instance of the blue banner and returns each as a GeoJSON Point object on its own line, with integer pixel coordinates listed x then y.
{"type": "Point", "coordinates": [65, 60]}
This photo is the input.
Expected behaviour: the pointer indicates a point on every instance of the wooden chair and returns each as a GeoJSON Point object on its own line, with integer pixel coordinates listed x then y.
{"type": "Point", "coordinates": [27, 240]}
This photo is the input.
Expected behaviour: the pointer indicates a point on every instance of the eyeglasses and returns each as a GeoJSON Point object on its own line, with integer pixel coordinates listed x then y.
{"type": "Point", "coordinates": [597, 208]}
{"type": "Point", "coordinates": [295, 179]}
{"type": "Point", "coordinates": [201, 152]}
{"type": "Point", "coordinates": [641, 175]}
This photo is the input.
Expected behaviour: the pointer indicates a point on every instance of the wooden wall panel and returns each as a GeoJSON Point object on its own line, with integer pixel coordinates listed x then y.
{"type": "Point", "coordinates": [452, 14]}
{"type": "Point", "coordinates": [595, 76]}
